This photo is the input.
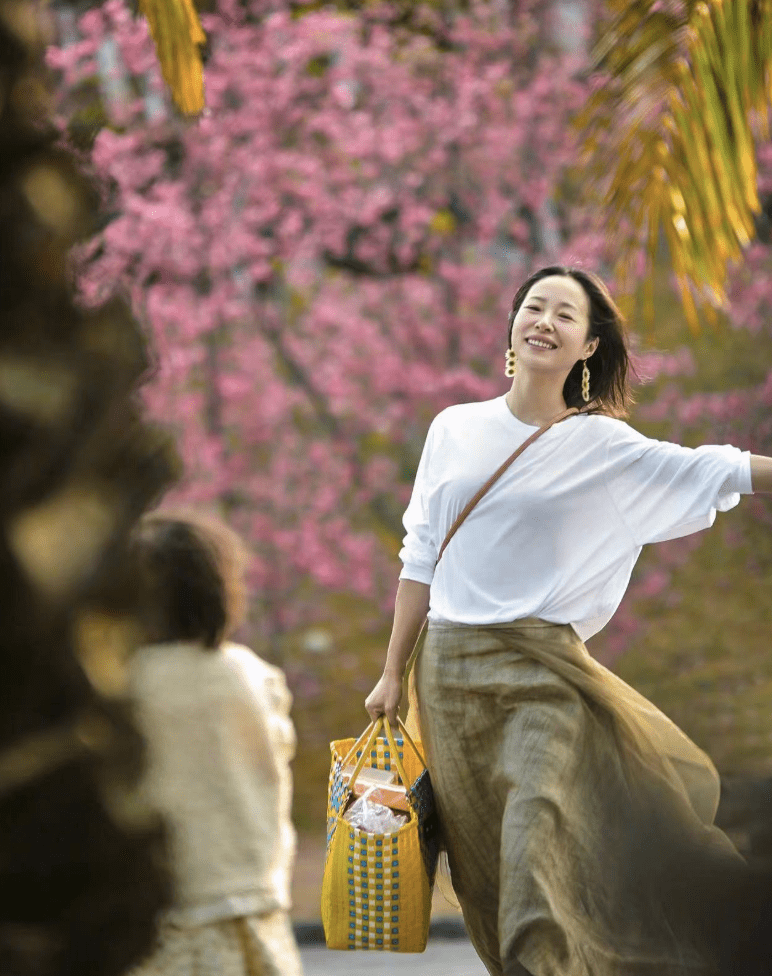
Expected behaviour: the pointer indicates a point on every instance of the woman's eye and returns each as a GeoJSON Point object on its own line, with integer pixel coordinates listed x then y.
{"type": "Point", "coordinates": [532, 308]}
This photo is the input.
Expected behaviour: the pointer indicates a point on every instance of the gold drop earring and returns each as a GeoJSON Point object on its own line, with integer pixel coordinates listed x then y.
{"type": "Point", "coordinates": [511, 363]}
{"type": "Point", "coordinates": [511, 358]}
{"type": "Point", "coordinates": [586, 382]}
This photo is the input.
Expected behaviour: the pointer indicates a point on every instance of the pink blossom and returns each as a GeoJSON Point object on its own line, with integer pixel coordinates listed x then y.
{"type": "Point", "coordinates": [325, 260]}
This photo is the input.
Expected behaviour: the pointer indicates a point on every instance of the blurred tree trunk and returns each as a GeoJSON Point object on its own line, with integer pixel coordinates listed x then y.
{"type": "Point", "coordinates": [82, 876]}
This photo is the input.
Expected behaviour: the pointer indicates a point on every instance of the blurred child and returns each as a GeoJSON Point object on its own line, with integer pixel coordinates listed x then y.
{"type": "Point", "coordinates": [220, 741]}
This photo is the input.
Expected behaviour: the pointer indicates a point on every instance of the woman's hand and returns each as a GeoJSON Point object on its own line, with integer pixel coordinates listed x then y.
{"type": "Point", "coordinates": [385, 697]}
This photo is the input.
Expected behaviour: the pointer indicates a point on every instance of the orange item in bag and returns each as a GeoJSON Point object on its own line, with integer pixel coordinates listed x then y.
{"type": "Point", "coordinates": [384, 787]}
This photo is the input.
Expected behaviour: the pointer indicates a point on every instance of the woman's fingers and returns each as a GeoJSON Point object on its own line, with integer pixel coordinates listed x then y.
{"type": "Point", "coordinates": [374, 706]}
{"type": "Point", "coordinates": [384, 699]}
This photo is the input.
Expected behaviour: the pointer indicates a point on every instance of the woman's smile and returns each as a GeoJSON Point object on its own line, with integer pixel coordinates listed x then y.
{"type": "Point", "coordinates": [540, 343]}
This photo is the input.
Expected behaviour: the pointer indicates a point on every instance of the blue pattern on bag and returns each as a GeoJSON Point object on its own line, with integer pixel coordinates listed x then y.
{"type": "Point", "coordinates": [339, 797]}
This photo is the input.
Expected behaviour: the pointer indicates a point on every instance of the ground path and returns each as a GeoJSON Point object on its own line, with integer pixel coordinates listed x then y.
{"type": "Point", "coordinates": [443, 957]}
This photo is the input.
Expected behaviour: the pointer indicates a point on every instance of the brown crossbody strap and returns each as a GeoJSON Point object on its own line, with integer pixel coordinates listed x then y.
{"type": "Point", "coordinates": [498, 473]}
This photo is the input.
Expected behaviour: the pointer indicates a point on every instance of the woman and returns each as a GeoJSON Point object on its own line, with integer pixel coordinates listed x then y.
{"type": "Point", "coordinates": [220, 740]}
{"type": "Point", "coordinates": [573, 811]}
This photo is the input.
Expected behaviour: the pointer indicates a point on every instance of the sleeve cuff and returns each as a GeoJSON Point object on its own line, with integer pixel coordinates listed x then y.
{"type": "Point", "coordinates": [419, 574]}
{"type": "Point", "coordinates": [744, 480]}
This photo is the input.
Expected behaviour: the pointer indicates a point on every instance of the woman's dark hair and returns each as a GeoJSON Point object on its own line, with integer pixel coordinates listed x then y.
{"type": "Point", "coordinates": [610, 364]}
{"type": "Point", "coordinates": [192, 577]}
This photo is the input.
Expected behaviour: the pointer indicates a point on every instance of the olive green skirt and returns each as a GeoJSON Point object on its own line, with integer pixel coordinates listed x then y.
{"type": "Point", "coordinates": [577, 818]}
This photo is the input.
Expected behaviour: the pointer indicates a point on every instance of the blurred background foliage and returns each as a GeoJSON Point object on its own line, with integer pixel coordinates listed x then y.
{"type": "Point", "coordinates": [670, 137]}
{"type": "Point", "coordinates": [693, 633]}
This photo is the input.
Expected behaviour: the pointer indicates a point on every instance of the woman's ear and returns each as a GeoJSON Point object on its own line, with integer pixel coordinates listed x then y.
{"type": "Point", "coordinates": [591, 346]}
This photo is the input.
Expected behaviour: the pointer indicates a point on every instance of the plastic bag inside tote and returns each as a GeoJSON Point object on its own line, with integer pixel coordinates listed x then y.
{"type": "Point", "coordinates": [373, 817]}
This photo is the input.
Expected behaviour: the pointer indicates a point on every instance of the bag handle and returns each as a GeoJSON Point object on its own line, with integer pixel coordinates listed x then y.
{"type": "Point", "coordinates": [406, 735]}
{"type": "Point", "coordinates": [371, 734]}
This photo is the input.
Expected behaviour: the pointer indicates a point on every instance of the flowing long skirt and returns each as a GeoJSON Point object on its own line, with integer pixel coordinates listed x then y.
{"type": "Point", "coordinates": [577, 818]}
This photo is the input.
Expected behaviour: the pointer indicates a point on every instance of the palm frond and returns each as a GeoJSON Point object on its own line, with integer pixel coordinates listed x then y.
{"type": "Point", "coordinates": [178, 34]}
{"type": "Point", "coordinates": [669, 135]}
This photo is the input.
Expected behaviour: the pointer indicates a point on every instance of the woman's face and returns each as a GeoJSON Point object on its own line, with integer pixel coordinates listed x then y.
{"type": "Point", "coordinates": [550, 329]}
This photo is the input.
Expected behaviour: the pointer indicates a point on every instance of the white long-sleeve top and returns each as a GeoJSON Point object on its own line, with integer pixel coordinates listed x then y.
{"type": "Point", "coordinates": [219, 743]}
{"type": "Point", "coordinates": [558, 535]}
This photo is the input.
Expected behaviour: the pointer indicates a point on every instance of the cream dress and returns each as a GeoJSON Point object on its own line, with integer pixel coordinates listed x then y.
{"type": "Point", "coordinates": [220, 741]}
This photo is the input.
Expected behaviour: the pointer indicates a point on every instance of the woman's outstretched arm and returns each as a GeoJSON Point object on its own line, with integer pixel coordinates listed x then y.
{"type": "Point", "coordinates": [761, 474]}
{"type": "Point", "coordinates": [410, 612]}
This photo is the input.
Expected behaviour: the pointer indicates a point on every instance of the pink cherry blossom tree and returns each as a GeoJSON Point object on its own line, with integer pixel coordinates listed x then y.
{"type": "Point", "coordinates": [325, 259]}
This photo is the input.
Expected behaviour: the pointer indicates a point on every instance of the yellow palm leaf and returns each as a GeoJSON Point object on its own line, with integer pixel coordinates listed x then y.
{"type": "Point", "coordinates": [177, 34]}
{"type": "Point", "coordinates": [669, 137]}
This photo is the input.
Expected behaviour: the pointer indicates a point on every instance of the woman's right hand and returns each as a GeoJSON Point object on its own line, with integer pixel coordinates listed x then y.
{"type": "Point", "coordinates": [385, 697]}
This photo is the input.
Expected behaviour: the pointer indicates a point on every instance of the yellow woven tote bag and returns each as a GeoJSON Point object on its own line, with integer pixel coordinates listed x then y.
{"type": "Point", "coordinates": [377, 888]}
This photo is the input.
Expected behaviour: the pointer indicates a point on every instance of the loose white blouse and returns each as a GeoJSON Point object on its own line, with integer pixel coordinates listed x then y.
{"type": "Point", "coordinates": [558, 535]}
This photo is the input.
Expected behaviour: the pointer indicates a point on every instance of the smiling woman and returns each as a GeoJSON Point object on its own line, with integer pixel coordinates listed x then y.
{"type": "Point", "coordinates": [549, 771]}
{"type": "Point", "coordinates": [566, 324]}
